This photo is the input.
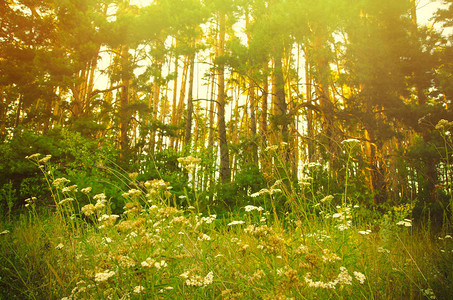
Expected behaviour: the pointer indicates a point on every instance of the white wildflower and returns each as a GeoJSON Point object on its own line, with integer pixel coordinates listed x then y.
{"type": "Point", "coordinates": [360, 277]}
{"type": "Point", "coordinates": [138, 289]}
{"type": "Point", "coordinates": [36, 155]}
{"type": "Point", "coordinates": [251, 208]}
{"type": "Point", "coordinates": [100, 197]}
{"type": "Point", "coordinates": [59, 246]}
{"type": "Point", "coordinates": [161, 264]}
{"type": "Point", "coordinates": [364, 232]}
{"type": "Point", "coordinates": [318, 284]}
{"type": "Point", "coordinates": [405, 222]}
{"type": "Point", "coordinates": [65, 200]}
{"type": "Point", "coordinates": [204, 237]}
{"type": "Point", "coordinates": [60, 182]}
{"type": "Point", "coordinates": [45, 159]}
{"type": "Point", "coordinates": [132, 193]}
{"type": "Point", "coordinates": [326, 198]}
{"type": "Point", "coordinates": [197, 280]}
{"type": "Point", "coordinates": [103, 276]}
{"type": "Point", "coordinates": [236, 223]}
{"type": "Point", "coordinates": [350, 141]}
{"type": "Point", "coordinates": [329, 256]}
{"type": "Point", "coordinates": [86, 190]}
{"type": "Point", "coordinates": [209, 220]}
{"type": "Point", "coordinates": [72, 188]}
{"type": "Point", "coordinates": [344, 277]}
{"type": "Point", "coordinates": [147, 263]}
{"type": "Point", "coordinates": [88, 209]}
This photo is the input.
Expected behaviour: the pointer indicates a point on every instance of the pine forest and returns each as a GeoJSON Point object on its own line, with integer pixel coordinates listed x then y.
{"type": "Point", "coordinates": [226, 149]}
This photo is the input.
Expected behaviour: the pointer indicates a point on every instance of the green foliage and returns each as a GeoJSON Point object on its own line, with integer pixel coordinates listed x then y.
{"type": "Point", "coordinates": [152, 248]}
{"type": "Point", "coordinates": [7, 199]}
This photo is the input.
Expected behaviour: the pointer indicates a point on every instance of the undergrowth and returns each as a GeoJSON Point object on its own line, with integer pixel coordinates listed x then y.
{"type": "Point", "coordinates": [155, 249]}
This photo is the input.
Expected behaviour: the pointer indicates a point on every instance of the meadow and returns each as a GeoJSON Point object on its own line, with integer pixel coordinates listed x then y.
{"type": "Point", "coordinates": [77, 248]}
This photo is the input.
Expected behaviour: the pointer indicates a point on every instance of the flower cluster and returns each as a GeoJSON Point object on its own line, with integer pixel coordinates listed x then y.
{"type": "Point", "coordinates": [149, 262]}
{"type": "Point", "coordinates": [249, 208]}
{"type": "Point", "coordinates": [443, 124]}
{"type": "Point", "coordinates": [343, 278]}
{"type": "Point", "coordinates": [45, 159]}
{"type": "Point", "coordinates": [155, 187]}
{"type": "Point", "coordinates": [30, 201]}
{"type": "Point", "coordinates": [273, 189]}
{"type": "Point", "coordinates": [189, 162]}
{"type": "Point", "coordinates": [90, 208]}
{"type": "Point", "coordinates": [236, 223]}
{"type": "Point", "coordinates": [103, 276]}
{"type": "Point", "coordinates": [132, 193]}
{"type": "Point", "coordinates": [405, 222]}
{"type": "Point", "coordinates": [66, 200]}
{"type": "Point", "coordinates": [107, 220]}
{"type": "Point", "coordinates": [197, 280]}
{"type": "Point", "coordinates": [350, 141]}
{"type": "Point", "coordinates": [60, 182]}
{"type": "Point", "coordinates": [68, 189]}
{"type": "Point", "coordinates": [343, 217]}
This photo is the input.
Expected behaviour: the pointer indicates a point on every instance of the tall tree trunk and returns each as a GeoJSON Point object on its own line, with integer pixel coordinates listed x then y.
{"type": "Point", "coordinates": [124, 102]}
{"type": "Point", "coordinates": [376, 167]}
{"type": "Point", "coordinates": [182, 97]}
{"type": "Point", "coordinates": [4, 108]}
{"type": "Point", "coordinates": [310, 123]}
{"type": "Point", "coordinates": [225, 171]}
{"type": "Point", "coordinates": [265, 163]}
{"type": "Point", "coordinates": [252, 100]}
{"type": "Point", "coordinates": [325, 104]}
{"type": "Point", "coordinates": [155, 106]}
{"type": "Point", "coordinates": [175, 97]}
{"type": "Point", "coordinates": [280, 118]}
{"type": "Point", "coordinates": [211, 115]}
{"type": "Point", "coordinates": [189, 115]}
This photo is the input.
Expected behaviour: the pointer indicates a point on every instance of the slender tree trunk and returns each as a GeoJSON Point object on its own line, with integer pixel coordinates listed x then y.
{"type": "Point", "coordinates": [265, 163]}
{"type": "Point", "coordinates": [174, 102]}
{"type": "Point", "coordinates": [212, 107]}
{"type": "Point", "coordinates": [124, 102]}
{"type": "Point", "coordinates": [280, 122]}
{"type": "Point", "coordinates": [4, 108]}
{"type": "Point", "coordinates": [225, 171]}
{"type": "Point", "coordinates": [326, 106]}
{"type": "Point", "coordinates": [189, 114]}
{"type": "Point", "coordinates": [182, 96]}
{"type": "Point", "coordinates": [252, 100]}
{"type": "Point", "coordinates": [155, 106]}
{"type": "Point", "coordinates": [308, 91]}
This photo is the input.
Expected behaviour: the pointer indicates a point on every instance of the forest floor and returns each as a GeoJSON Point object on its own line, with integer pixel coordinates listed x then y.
{"type": "Point", "coordinates": [156, 251]}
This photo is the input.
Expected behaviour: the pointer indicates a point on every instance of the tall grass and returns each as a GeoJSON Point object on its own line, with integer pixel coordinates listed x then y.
{"type": "Point", "coordinates": [154, 250]}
